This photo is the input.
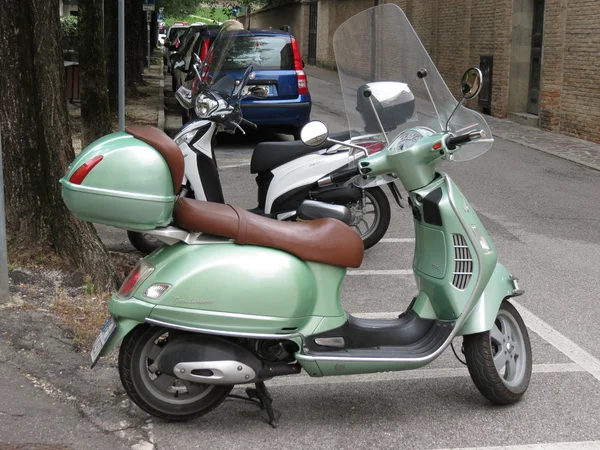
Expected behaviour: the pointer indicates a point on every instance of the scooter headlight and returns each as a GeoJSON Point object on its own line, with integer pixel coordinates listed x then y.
{"type": "Point", "coordinates": [204, 106]}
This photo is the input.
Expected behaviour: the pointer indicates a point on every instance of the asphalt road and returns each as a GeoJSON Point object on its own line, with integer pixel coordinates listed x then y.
{"type": "Point", "coordinates": [544, 216]}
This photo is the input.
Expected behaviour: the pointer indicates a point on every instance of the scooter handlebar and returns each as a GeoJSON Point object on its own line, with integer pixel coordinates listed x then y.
{"type": "Point", "coordinates": [454, 141]}
{"type": "Point", "coordinates": [247, 122]}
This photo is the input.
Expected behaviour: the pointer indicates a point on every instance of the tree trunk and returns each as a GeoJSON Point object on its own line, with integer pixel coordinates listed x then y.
{"type": "Point", "coordinates": [36, 144]}
{"type": "Point", "coordinates": [95, 113]}
{"type": "Point", "coordinates": [134, 63]}
{"type": "Point", "coordinates": [154, 31]}
{"type": "Point", "coordinates": [111, 31]}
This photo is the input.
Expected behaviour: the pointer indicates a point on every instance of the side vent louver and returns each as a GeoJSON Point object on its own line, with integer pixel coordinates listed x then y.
{"type": "Point", "coordinates": [463, 263]}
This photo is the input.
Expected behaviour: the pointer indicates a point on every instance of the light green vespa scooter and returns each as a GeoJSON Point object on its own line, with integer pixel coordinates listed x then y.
{"type": "Point", "coordinates": [237, 298]}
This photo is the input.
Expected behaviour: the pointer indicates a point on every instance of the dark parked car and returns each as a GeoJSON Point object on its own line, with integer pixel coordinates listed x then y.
{"type": "Point", "coordinates": [170, 46]}
{"type": "Point", "coordinates": [196, 40]}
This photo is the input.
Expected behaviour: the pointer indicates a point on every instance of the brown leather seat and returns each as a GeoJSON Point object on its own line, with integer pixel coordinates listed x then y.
{"type": "Point", "coordinates": [328, 241]}
{"type": "Point", "coordinates": [167, 148]}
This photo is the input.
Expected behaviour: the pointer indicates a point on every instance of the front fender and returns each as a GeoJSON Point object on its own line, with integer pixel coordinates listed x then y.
{"type": "Point", "coordinates": [482, 317]}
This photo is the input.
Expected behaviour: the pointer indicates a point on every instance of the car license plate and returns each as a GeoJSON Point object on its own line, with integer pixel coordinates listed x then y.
{"type": "Point", "coordinates": [109, 327]}
{"type": "Point", "coordinates": [272, 90]}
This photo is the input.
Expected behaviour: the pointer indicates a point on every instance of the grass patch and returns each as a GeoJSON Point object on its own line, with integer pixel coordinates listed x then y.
{"type": "Point", "coordinates": [84, 315]}
{"type": "Point", "coordinates": [202, 14]}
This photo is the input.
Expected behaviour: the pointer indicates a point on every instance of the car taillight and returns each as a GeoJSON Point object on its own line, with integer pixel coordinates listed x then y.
{"type": "Point", "coordinates": [373, 147]}
{"type": "Point", "coordinates": [137, 276]}
{"type": "Point", "coordinates": [302, 81]}
{"type": "Point", "coordinates": [82, 172]}
{"type": "Point", "coordinates": [204, 49]}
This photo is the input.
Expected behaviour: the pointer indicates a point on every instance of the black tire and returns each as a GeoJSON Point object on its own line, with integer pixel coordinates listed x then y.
{"type": "Point", "coordinates": [173, 82]}
{"type": "Point", "coordinates": [138, 385]}
{"type": "Point", "coordinates": [481, 348]}
{"type": "Point", "coordinates": [142, 242]}
{"type": "Point", "coordinates": [384, 216]}
{"type": "Point", "coordinates": [296, 133]}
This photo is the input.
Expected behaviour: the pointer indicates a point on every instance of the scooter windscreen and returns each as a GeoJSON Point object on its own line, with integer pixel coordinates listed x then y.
{"type": "Point", "coordinates": [215, 75]}
{"type": "Point", "coordinates": [384, 67]}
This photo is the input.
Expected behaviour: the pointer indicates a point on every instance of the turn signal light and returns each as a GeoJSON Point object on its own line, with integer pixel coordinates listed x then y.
{"type": "Point", "coordinates": [81, 173]}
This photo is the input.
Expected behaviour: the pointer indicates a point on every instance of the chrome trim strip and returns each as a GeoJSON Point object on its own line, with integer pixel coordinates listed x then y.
{"type": "Point", "coordinates": [457, 324]}
{"type": "Point", "coordinates": [226, 333]}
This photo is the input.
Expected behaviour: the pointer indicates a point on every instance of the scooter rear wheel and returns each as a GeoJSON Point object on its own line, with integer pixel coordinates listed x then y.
{"type": "Point", "coordinates": [143, 242]}
{"type": "Point", "coordinates": [499, 360]}
{"type": "Point", "coordinates": [373, 219]}
{"type": "Point", "coordinates": [164, 396]}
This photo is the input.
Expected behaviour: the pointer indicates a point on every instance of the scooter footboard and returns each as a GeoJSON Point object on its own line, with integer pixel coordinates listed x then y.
{"type": "Point", "coordinates": [483, 314]}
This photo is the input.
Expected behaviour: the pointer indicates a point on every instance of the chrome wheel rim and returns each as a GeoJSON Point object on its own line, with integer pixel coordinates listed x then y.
{"type": "Point", "coordinates": [167, 388]}
{"type": "Point", "coordinates": [365, 219]}
{"type": "Point", "coordinates": [508, 349]}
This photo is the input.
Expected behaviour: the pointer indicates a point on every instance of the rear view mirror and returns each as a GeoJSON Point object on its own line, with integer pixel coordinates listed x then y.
{"type": "Point", "coordinates": [470, 84]}
{"type": "Point", "coordinates": [314, 133]}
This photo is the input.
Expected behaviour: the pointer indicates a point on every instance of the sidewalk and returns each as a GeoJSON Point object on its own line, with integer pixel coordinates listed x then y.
{"type": "Point", "coordinates": [30, 416]}
{"type": "Point", "coordinates": [577, 150]}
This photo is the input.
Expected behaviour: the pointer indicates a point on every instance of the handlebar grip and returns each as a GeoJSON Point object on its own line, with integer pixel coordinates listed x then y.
{"type": "Point", "coordinates": [345, 175]}
{"type": "Point", "coordinates": [452, 142]}
{"type": "Point", "coordinates": [247, 122]}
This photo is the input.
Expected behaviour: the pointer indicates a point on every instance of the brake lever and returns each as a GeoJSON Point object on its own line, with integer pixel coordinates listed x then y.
{"type": "Point", "coordinates": [240, 128]}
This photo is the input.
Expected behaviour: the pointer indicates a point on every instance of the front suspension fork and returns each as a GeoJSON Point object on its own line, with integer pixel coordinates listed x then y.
{"type": "Point", "coordinates": [396, 193]}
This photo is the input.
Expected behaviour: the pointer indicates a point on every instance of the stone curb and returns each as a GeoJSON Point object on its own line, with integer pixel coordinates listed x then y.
{"type": "Point", "coordinates": [161, 98]}
{"type": "Point", "coordinates": [576, 150]}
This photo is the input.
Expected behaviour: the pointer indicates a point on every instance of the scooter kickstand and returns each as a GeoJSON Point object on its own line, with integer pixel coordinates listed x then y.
{"type": "Point", "coordinates": [261, 393]}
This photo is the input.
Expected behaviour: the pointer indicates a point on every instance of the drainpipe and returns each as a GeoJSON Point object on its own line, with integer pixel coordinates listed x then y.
{"type": "Point", "coordinates": [248, 11]}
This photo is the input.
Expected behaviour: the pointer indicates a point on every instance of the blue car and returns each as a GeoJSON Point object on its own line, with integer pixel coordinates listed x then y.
{"type": "Point", "coordinates": [276, 61]}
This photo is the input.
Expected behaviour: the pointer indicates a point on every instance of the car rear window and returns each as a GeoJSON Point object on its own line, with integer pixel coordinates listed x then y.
{"type": "Point", "coordinates": [174, 33]}
{"type": "Point", "coordinates": [263, 52]}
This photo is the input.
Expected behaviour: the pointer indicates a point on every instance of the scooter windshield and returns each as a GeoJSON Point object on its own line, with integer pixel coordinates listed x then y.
{"type": "Point", "coordinates": [378, 51]}
{"type": "Point", "coordinates": [215, 65]}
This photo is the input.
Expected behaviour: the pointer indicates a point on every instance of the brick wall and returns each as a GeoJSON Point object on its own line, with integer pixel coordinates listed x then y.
{"type": "Point", "coordinates": [294, 14]}
{"type": "Point", "coordinates": [576, 109]}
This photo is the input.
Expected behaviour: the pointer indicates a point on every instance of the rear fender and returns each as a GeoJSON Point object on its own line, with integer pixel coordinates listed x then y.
{"type": "Point", "coordinates": [300, 172]}
{"type": "Point", "coordinates": [124, 327]}
{"type": "Point", "coordinates": [482, 317]}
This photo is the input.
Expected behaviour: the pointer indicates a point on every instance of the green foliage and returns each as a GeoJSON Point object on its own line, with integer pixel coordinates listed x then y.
{"type": "Point", "coordinates": [178, 8]}
{"type": "Point", "coordinates": [68, 25]}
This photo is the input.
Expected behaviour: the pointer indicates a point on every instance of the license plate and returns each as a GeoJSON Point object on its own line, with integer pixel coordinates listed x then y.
{"type": "Point", "coordinates": [109, 327]}
{"type": "Point", "coordinates": [272, 90]}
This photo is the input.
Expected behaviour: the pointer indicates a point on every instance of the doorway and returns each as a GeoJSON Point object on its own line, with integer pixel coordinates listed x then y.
{"type": "Point", "coordinates": [535, 73]}
{"type": "Point", "coordinates": [312, 32]}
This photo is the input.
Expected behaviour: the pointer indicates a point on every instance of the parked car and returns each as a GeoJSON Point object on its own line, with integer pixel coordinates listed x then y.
{"type": "Point", "coordinates": [170, 45]}
{"type": "Point", "coordinates": [277, 65]}
{"type": "Point", "coordinates": [196, 40]}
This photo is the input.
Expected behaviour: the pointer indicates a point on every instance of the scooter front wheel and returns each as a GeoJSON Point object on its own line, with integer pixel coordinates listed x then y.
{"type": "Point", "coordinates": [499, 360]}
{"type": "Point", "coordinates": [162, 395]}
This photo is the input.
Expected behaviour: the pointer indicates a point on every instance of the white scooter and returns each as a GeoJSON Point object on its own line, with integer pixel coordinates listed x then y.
{"type": "Point", "coordinates": [286, 172]}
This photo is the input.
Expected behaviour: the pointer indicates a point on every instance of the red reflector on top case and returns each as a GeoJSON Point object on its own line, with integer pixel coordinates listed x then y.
{"type": "Point", "coordinates": [81, 173]}
{"type": "Point", "coordinates": [437, 145]}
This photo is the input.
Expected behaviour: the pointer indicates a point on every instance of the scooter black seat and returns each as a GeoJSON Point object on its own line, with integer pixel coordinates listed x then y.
{"type": "Point", "coordinates": [328, 241]}
{"type": "Point", "coordinates": [268, 155]}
